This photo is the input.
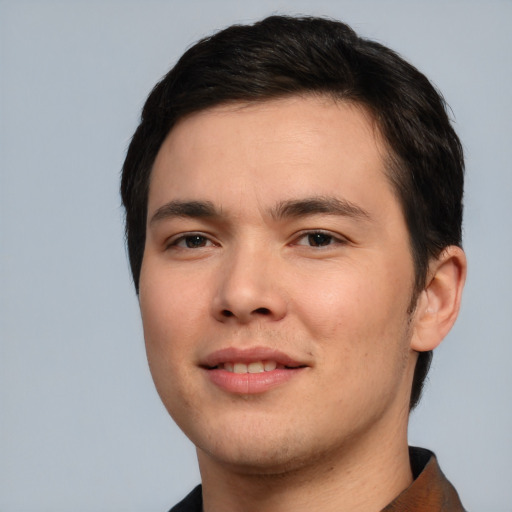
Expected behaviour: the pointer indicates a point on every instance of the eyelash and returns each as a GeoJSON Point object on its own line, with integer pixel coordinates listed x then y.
{"type": "Point", "coordinates": [333, 239]}
{"type": "Point", "coordinates": [186, 237]}
{"type": "Point", "coordinates": [183, 240]}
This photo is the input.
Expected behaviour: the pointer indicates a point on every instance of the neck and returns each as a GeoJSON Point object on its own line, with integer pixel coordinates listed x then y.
{"type": "Point", "coordinates": [363, 476]}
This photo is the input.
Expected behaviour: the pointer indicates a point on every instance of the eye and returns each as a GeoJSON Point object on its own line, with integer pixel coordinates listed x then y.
{"type": "Point", "coordinates": [191, 241]}
{"type": "Point", "coordinates": [318, 239]}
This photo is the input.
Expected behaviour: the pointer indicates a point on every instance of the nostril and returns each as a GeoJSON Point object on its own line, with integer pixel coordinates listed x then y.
{"type": "Point", "coordinates": [262, 311]}
{"type": "Point", "coordinates": [226, 313]}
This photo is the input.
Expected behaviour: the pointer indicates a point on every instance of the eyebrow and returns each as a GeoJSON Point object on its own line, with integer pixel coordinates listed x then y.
{"type": "Point", "coordinates": [192, 209]}
{"type": "Point", "coordinates": [284, 209]}
{"type": "Point", "coordinates": [317, 205]}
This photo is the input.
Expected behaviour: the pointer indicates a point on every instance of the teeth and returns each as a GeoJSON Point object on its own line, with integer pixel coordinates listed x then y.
{"type": "Point", "coordinates": [254, 367]}
{"type": "Point", "coordinates": [240, 368]}
{"type": "Point", "coordinates": [270, 365]}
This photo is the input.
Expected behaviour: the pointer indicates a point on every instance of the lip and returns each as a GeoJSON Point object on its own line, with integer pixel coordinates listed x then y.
{"type": "Point", "coordinates": [250, 383]}
{"type": "Point", "coordinates": [249, 355]}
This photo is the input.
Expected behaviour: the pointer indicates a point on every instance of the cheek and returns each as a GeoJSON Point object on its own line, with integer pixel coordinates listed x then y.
{"type": "Point", "coordinates": [355, 312]}
{"type": "Point", "coordinates": [172, 310]}
{"type": "Point", "coordinates": [171, 317]}
{"type": "Point", "coordinates": [171, 304]}
{"type": "Point", "coordinates": [360, 331]}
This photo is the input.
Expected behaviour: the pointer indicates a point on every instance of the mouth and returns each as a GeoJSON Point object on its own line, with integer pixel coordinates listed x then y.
{"type": "Point", "coordinates": [253, 367]}
{"type": "Point", "coordinates": [250, 371]}
{"type": "Point", "coordinates": [250, 360]}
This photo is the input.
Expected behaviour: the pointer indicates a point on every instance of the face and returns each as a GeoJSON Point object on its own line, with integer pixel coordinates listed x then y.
{"type": "Point", "coordinates": [275, 284]}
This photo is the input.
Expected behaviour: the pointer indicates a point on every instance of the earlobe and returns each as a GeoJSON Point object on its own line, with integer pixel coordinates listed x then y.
{"type": "Point", "coordinates": [438, 304]}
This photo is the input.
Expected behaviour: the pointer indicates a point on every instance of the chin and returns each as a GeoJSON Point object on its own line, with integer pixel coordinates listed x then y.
{"type": "Point", "coordinates": [260, 451]}
{"type": "Point", "coordinates": [255, 462]}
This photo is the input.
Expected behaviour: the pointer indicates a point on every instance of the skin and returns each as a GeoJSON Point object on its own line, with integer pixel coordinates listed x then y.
{"type": "Point", "coordinates": [329, 289]}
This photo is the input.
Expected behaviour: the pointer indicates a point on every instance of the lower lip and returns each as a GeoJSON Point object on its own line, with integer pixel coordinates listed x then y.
{"type": "Point", "coordinates": [251, 383]}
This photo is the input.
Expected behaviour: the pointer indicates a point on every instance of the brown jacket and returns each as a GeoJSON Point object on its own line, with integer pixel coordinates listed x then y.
{"type": "Point", "coordinates": [429, 492]}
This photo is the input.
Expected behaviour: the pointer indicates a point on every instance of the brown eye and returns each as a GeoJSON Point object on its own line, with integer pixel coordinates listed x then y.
{"type": "Point", "coordinates": [193, 241]}
{"type": "Point", "coordinates": [319, 239]}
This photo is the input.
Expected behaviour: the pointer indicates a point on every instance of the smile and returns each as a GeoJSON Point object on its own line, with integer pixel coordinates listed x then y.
{"type": "Point", "coordinates": [251, 371]}
{"type": "Point", "coordinates": [250, 360]}
{"type": "Point", "coordinates": [253, 367]}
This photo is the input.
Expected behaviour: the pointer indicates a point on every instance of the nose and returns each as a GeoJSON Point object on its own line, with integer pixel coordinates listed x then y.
{"type": "Point", "coordinates": [250, 288]}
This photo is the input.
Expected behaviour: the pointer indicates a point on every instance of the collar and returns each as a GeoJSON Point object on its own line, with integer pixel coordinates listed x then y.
{"type": "Point", "coordinates": [430, 491]}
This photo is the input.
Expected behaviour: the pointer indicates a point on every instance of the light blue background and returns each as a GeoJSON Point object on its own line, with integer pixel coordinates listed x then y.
{"type": "Point", "coordinates": [81, 426]}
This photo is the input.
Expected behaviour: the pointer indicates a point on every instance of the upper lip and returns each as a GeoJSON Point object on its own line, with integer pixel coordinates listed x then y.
{"type": "Point", "coordinates": [249, 355]}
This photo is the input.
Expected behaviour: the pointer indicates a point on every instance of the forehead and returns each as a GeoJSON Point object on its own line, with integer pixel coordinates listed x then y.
{"type": "Point", "coordinates": [287, 147]}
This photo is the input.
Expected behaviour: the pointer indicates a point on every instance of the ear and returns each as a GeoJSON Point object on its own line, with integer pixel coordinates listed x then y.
{"type": "Point", "coordinates": [439, 303]}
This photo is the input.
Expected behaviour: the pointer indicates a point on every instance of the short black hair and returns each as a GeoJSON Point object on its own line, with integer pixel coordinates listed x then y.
{"type": "Point", "coordinates": [282, 56]}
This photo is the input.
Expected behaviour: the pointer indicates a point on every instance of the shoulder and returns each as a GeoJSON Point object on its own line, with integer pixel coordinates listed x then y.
{"type": "Point", "coordinates": [430, 491]}
{"type": "Point", "coordinates": [193, 502]}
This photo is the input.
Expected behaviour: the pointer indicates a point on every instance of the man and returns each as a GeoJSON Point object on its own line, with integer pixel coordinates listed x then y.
{"type": "Point", "coordinates": [293, 202]}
